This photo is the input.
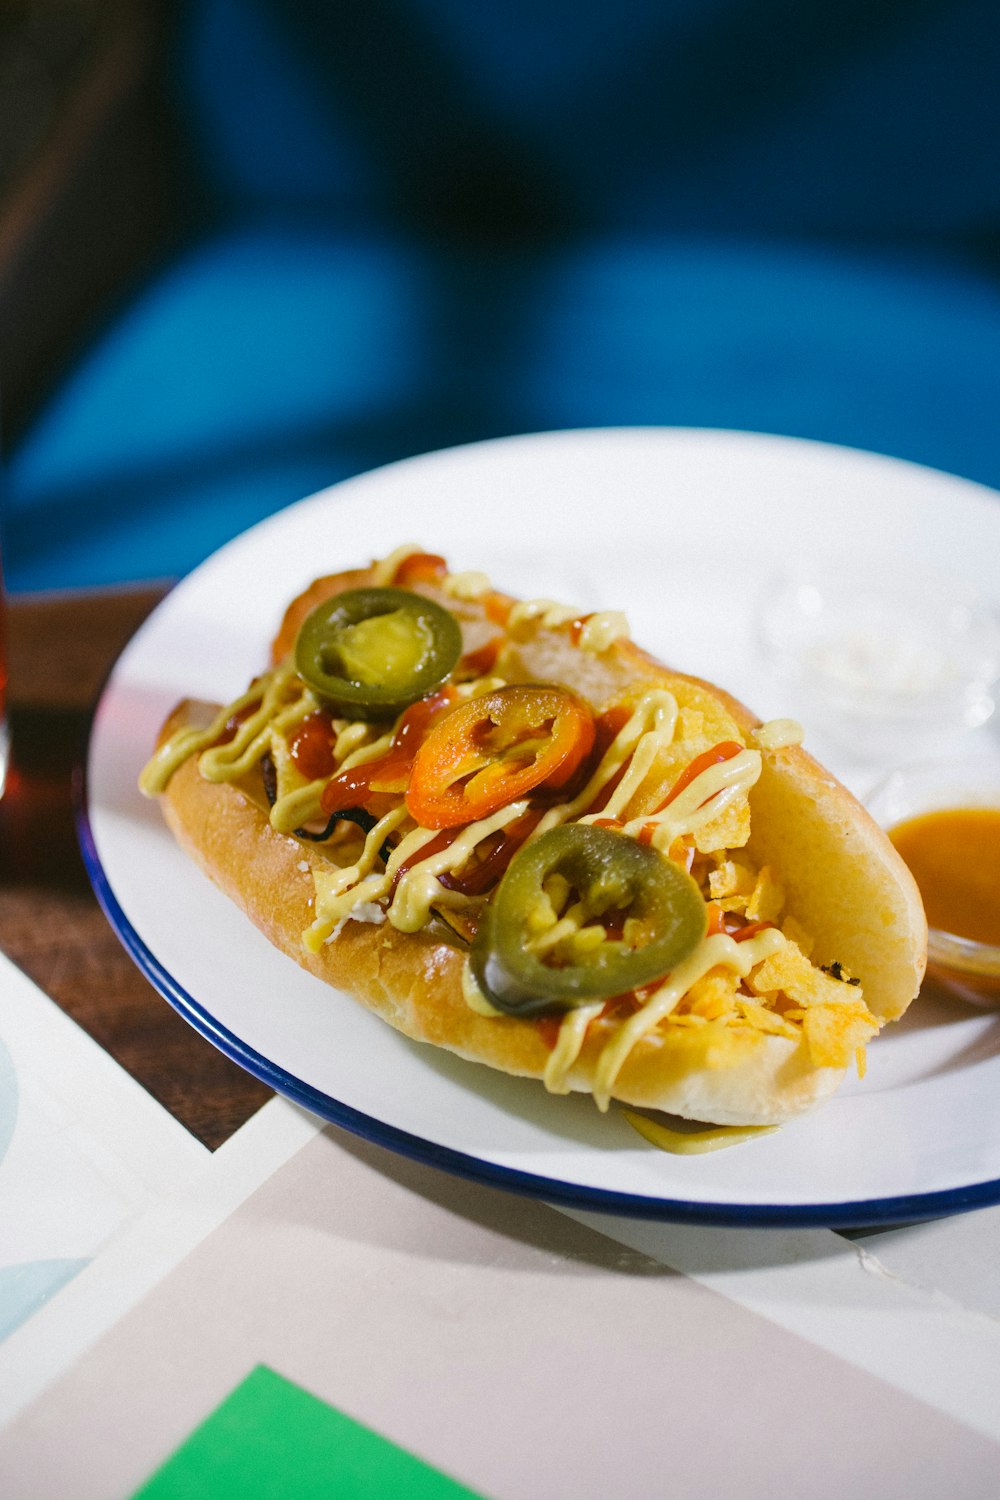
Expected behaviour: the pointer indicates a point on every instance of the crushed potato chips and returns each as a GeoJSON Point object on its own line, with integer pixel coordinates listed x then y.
{"type": "Point", "coordinates": [766, 1020]}
{"type": "Point", "coordinates": [714, 995]}
{"type": "Point", "coordinates": [731, 877]}
{"type": "Point", "coordinates": [767, 899]}
{"type": "Point", "coordinates": [729, 830]}
{"type": "Point", "coordinates": [789, 970]}
{"type": "Point", "coordinates": [690, 724]}
{"type": "Point", "coordinates": [833, 1033]}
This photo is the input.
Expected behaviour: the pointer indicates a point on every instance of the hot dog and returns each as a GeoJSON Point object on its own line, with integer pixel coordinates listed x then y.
{"type": "Point", "coordinates": [512, 833]}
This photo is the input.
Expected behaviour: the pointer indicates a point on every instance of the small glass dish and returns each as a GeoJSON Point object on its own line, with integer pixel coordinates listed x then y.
{"type": "Point", "coordinates": [965, 965]}
{"type": "Point", "coordinates": [887, 662]}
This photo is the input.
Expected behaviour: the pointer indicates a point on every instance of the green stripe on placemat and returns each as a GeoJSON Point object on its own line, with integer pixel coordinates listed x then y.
{"type": "Point", "coordinates": [271, 1440]}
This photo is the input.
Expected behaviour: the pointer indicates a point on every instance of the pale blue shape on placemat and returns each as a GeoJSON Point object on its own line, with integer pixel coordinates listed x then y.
{"type": "Point", "coordinates": [8, 1099]}
{"type": "Point", "coordinates": [25, 1288]}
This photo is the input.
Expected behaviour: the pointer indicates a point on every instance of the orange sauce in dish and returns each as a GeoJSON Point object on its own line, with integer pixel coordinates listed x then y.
{"type": "Point", "coordinates": [954, 855]}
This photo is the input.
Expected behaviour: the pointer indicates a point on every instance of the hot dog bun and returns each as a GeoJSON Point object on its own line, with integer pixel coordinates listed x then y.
{"type": "Point", "coordinates": [843, 882]}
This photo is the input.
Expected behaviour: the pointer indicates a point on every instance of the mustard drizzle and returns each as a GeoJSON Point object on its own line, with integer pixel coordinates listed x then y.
{"type": "Point", "coordinates": [283, 701]}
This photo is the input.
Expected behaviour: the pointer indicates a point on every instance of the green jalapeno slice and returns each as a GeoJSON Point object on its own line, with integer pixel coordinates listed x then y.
{"type": "Point", "coordinates": [370, 653]}
{"type": "Point", "coordinates": [584, 913]}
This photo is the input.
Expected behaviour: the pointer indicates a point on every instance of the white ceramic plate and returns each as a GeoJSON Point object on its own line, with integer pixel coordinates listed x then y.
{"type": "Point", "coordinates": [680, 527]}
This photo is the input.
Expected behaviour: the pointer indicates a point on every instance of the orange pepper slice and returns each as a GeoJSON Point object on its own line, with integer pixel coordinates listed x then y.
{"type": "Point", "coordinates": [491, 750]}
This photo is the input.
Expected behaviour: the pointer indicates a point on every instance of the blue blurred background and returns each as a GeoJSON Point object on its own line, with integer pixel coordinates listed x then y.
{"type": "Point", "coordinates": [318, 237]}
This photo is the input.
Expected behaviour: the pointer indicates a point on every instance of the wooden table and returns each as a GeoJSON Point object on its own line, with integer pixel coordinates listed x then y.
{"type": "Point", "coordinates": [61, 649]}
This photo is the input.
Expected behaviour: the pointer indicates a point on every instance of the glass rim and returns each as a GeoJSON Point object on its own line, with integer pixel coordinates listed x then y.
{"type": "Point", "coordinates": [964, 954]}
